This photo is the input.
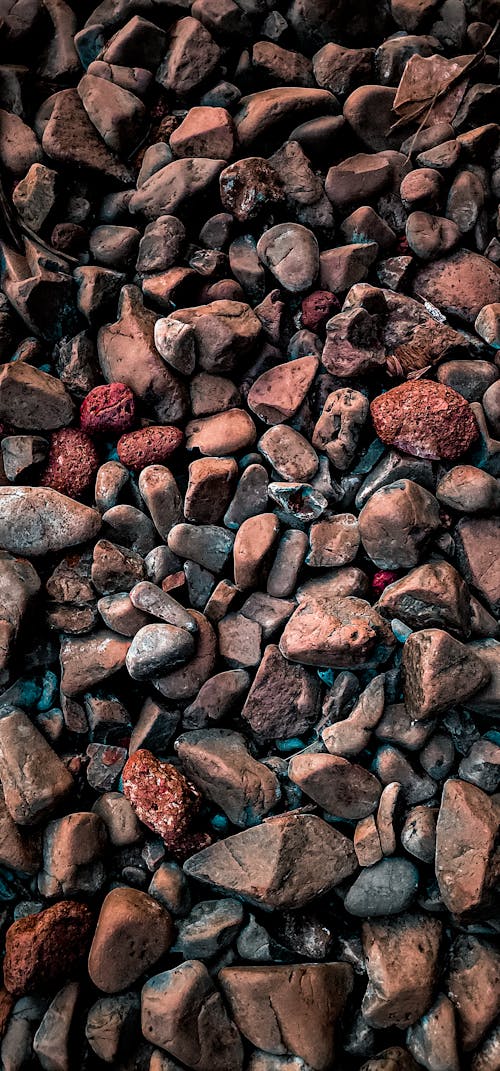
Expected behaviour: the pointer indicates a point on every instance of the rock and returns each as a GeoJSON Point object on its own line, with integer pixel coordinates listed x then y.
{"type": "Point", "coordinates": [143, 776]}
{"type": "Point", "coordinates": [157, 647]}
{"type": "Point", "coordinates": [191, 57]}
{"type": "Point", "coordinates": [291, 253]}
{"type": "Point", "coordinates": [171, 1002]}
{"type": "Point", "coordinates": [252, 549]}
{"type": "Point", "coordinates": [431, 596]}
{"type": "Point", "coordinates": [152, 600]}
{"type": "Point", "coordinates": [19, 584]}
{"type": "Point", "coordinates": [111, 1023]}
{"type": "Point", "coordinates": [433, 1040]}
{"type": "Point", "coordinates": [360, 110]}
{"type": "Point", "coordinates": [248, 187]}
{"type": "Point", "coordinates": [268, 869]}
{"type": "Point", "coordinates": [277, 394]}
{"type": "Point", "coordinates": [20, 148]}
{"type": "Point", "coordinates": [336, 632]}
{"type": "Point", "coordinates": [471, 984]}
{"type": "Point", "coordinates": [387, 888]}
{"type": "Point", "coordinates": [477, 544]}
{"type": "Point", "coordinates": [425, 419]}
{"type": "Point", "coordinates": [283, 700]}
{"type": "Point", "coordinates": [133, 931]}
{"type": "Point", "coordinates": [127, 354]}
{"type": "Point", "coordinates": [20, 849]}
{"type": "Point", "coordinates": [342, 69]}
{"type": "Point", "coordinates": [334, 541]}
{"type": "Point", "coordinates": [187, 681]}
{"type": "Point", "coordinates": [266, 115]}
{"type": "Point", "coordinates": [460, 285]}
{"type": "Point", "coordinates": [204, 132]}
{"type": "Point", "coordinates": [340, 787]}
{"type": "Point", "coordinates": [439, 671]}
{"type": "Point", "coordinates": [431, 236]}
{"type": "Point", "coordinates": [108, 410]}
{"type": "Point", "coordinates": [221, 434]}
{"type": "Point", "coordinates": [345, 265]}
{"type": "Point", "coordinates": [396, 524]}
{"type": "Point", "coordinates": [175, 342]}
{"type": "Point", "coordinates": [34, 779]}
{"type": "Point", "coordinates": [418, 835]}
{"type": "Point", "coordinates": [117, 114]}
{"type": "Point", "coordinates": [289, 1009]}
{"type": "Point", "coordinates": [87, 660]}
{"type": "Point", "coordinates": [402, 964]}
{"type": "Point", "coordinates": [169, 190]}
{"type": "Point", "coordinates": [35, 195]}
{"type": "Point", "coordinates": [220, 765]}
{"type": "Point", "coordinates": [487, 324]}
{"type": "Point", "coordinates": [33, 400]}
{"type": "Point", "coordinates": [465, 847]}
{"type": "Point", "coordinates": [73, 848]}
{"type": "Point", "coordinates": [71, 464]}
{"type": "Point", "coordinates": [45, 949]}
{"type": "Point", "coordinates": [51, 1043]}
{"type": "Point", "coordinates": [210, 927]}
{"type": "Point", "coordinates": [289, 453]}
{"type": "Point", "coordinates": [339, 426]}
{"type": "Point", "coordinates": [224, 330]}
{"type": "Point", "coordinates": [69, 138]}
{"type": "Point", "coordinates": [349, 736]}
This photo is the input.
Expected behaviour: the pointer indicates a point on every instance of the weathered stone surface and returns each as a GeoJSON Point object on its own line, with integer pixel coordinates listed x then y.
{"type": "Point", "coordinates": [43, 950]}
{"type": "Point", "coordinates": [133, 931]}
{"type": "Point", "coordinates": [88, 660]}
{"type": "Point", "coordinates": [396, 524]}
{"type": "Point", "coordinates": [460, 285]}
{"type": "Point", "coordinates": [342, 788]}
{"type": "Point", "coordinates": [283, 863]}
{"type": "Point", "coordinates": [284, 699]}
{"type": "Point", "coordinates": [472, 983]}
{"type": "Point", "coordinates": [289, 1009]}
{"type": "Point", "coordinates": [34, 779]}
{"type": "Point", "coordinates": [466, 857]}
{"type": "Point", "coordinates": [338, 632]}
{"type": "Point", "coordinates": [431, 596]}
{"type": "Point", "coordinates": [402, 963]}
{"type": "Point", "coordinates": [221, 766]}
{"type": "Point", "coordinates": [425, 419]}
{"type": "Point", "coordinates": [439, 671]}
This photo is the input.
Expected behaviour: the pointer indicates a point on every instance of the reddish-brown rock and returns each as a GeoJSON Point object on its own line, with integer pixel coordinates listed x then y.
{"type": "Point", "coordinates": [108, 410]}
{"type": "Point", "coordinates": [425, 419]}
{"type": "Point", "coordinates": [43, 950]}
{"type": "Point", "coordinates": [133, 931]}
{"type": "Point", "coordinates": [148, 446]}
{"type": "Point", "coordinates": [71, 463]}
{"type": "Point", "coordinates": [467, 861]}
{"type": "Point", "coordinates": [161, 796]}
{"type": "Point", "coordinates": [402, 964]}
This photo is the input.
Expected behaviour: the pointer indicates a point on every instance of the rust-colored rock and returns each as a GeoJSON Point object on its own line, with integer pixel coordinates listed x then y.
{"type": "Point", "coordinates": [402, 960]}
{"type": "Point", "coordinates": [42, 951]}
{"type": "Point", "coordinates": [162, 798]}
{"type": "Point", "coordinates": [425, 419]}
{"type": "Point", "coordinates": [467, 861]}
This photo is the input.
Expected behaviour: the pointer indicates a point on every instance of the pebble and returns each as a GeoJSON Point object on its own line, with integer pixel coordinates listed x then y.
{"type": "Point", "coordinates": [133, 931]}
{"type": "Point", "coordinates": [425, 419]}
{"type": "Point", "coordinates": [43, 950]}
{"type": "Point", "coordinates": [161, 797]}
{"type": "Point", "coordinates": [108, 410]}
{"type": "Point", "coordinates": [71, 464]}
{"type": "Point", "coordinates": [148, 446]}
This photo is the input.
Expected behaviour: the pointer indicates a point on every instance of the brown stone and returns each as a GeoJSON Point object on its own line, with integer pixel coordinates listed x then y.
{"type": "Point", "coordinates": [186, 681]}
{"type": "Point", "coordinates": [472, 984]}
{"type": "Point", "coordinates": [397, 523]}
{"type": "Point", "coordinates": [289, 1009]}
{"type": "Point", "coordinates": [70, 138]}
{"type": "Point", "coordinates": [439, 671]}
{"type": "Point", "coordinates": [334, 541]}
{"type": "Point", "coordinates": [291, 253]}
{"type": "Point", "coordinates": [219, 763]}
{"type": "Point", "coordinates": [339, 426]}
{"type": "Point", "coordinates": [460, 285]}
{"type": "Point", "coordinates": [20, 849]}
{"type": "Point", "coordinates": [33, 400]}
{"type": "Point", "coordinates": [283, 700]}
{"type": "Point", "coordinates": [402, 963]}
{"type": "Point", "coordinates": [221, 434]}
{"type": "Point", "coordinates": [248, 187]}
{"type": "Point", "coordinates": [281, 864]}
{"type": "Point", "coordinates": [277, 394]}
{"type": "Point", "coordinates": [87, 660]}
{"type": "Point", "coordinates": [204, 132]}
{"type": "Point", "coordinates": [172, 1003]}
{"type": "Point", "coordinates": [192, 55]}
{"type": "Point", "coordinates": [210, 489]}
{"type": "Point", "coordinates": [133, 931]}
{"type": "Point", "coordinates": [225, 331]}
{"type": "Point", "coordinates": [345, 633]}
{"type": "Point", "coordinates": [358, 178]}
{"type": "Point", "coordinates": [467, 864]}
{"type": "Point", "coordinates": [425, 419]}
{"type": "Point", "coordinates": [478, 545]}
{"type": "Point", "coordinates": [431, 596]}
{"type": "Point", "coordinates": [34, 779]}
{"type": "Point", "coordinates": [43, 950]}
{"type": "Point", "coordinates": [340, 787]}
{"type": "Point", "coordinates": [253, 545]}
{"type": "Point", "coordinates": [433, 1040]}
{"type": "Point", "coordinates": [272, 111]}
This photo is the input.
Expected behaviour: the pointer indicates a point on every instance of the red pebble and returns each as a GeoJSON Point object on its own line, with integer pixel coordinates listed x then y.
{"type": "Point", "coordinates": [162, 798]}
{"type": "Point", "coordinates": [317, 308]}
{"type": "Point", "coordinates": [71, 463]}
{"type": "Point", "coordinates": [148, 446]}
{"type": "Point", "coordinates": [382, 579]}
{"type": "Point", "coordinates": [108, 410]}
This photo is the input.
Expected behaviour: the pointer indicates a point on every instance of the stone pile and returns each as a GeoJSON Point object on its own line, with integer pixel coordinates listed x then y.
{"type": "Point", "coordinates": [249, 535]}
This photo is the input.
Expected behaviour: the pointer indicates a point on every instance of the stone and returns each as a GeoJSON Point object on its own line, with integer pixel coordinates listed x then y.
{"type": "Point", "coordinates": [433, 1040]}
{"type": "Point", "coordinates": [168, 191]}
{"type": "Point", "coordinates": [222, 434]}
{"type": "Point", "coordinates": [133, 931]}
{"type": "Point", "coordinates": [341, 788]}
{"type": "Point", "coordinates": [220, 765]}
{"type": "Point", "coordinates": [69, 138]}
{"type": "Point", "coordinates": [465, 847]}
{"type": "Point", "coordinates": [402, 964]}
{"type": "Point", "coordinates": [253, 546]}
{"type": "Point", "coordinates": [157, 647]}
{"type": "Point", "coordinates": [175, 342]}
{"type": "Point", "coordinates": [290, 454]}
{"type": "Point", "coordinates": [471, 984]}
{"type": "Point", "coordinates": [431, 236]}
{"type": "Point", "coordinates": [418, 835]}
{"type": "Point", "coordinates": [284, 699]}
{"type": "Point", "coordinates": [291, 253]}
{"type": "Point", "coordinates": [248, 187]}
{"type": "Point", "coordinates": [396, 524]}
{"type": "Point", "coordinates": [280, 864]}
{"type": "Point", "coordinates": [425, 419]}
{"type": "Point", "coordinates": [341, 632]}
{"type": "Point", "coordinates": [477, 544]}
{"type": "Point", "coordinates": [349, 736]}
{"type": "Point", "coordinates": [339, 427]}
{"type": "Point", "coordinates": [460, 285]}
{"type": "Point", "coordinates": [387, 888]}
{"type": "Point", "coordinates": [345, 265]}
{"type": "Point", "coordinates": [357, 179]}
{"type": "Point", "coordinates": [430, 596]}
{"type": "Point", "coordinates": [334, 541]}
{"type": "Point", "coordinates": [87, 660]}
{"type": "Point", "coordinates": [289, 1009]}
{"type": "Point", "coordinates": [163, 499]}
{"type": "Point", "coordinates": [43, 950]}
{"type": "Point", "coordinates": [341, 69]}
{"type": "Point", "coordinates": [487, 324]}
{"type": "Point", "coordinates": [171, 1002]}
{"type": "Point", "coordinates": [208, 545]}
{"type": "Point", "coordinates": [360, 109]}
{"type": "Point", "coordinates": [33, 400]}
{"type": "Point", "coordinates": [35, 195]}
{"type": "Point", "coordinates": [34, 779]}
{"type": "Point", "coordinates": [187, 680]}
{"type": "Point", "coordinates": [108, 410]}
{"type": "Point", "coordinates": [20, 147]}
{"type": "Point", "coordinates": [51, 1043]}
{"type": "Point", "coordinates": [118, 115]}
{"type": "Point", "coordinates": [225, 330]}
{"type": "Point", "coordinates": [143, 776]}
{"type": "Point", "coordinates": [20, 849]}
{"type": "Point", "coordinates": [71, 464]}
{"type": "Point", "coordinates": [276, 395]}
{"type": "Point", "coordinates": [439, 671]}
{"type": "Point", "coordinates": [73, 848]}
{"type": "Point", "coordinates": [111, 1024]}
{"type": "Point", "coordinates": [19, 584]}
{"type": "Point", "coordinates": [115, 568]}
{"type": "Point", "coordinates": [210, 927]}
{"type": "Point", "coordinates": [267, 114]}
{"type": "Point", "coordinates": [192, 55]}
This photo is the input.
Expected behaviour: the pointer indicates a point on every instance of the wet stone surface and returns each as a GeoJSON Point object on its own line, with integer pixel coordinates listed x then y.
{"type": "Point", "coordinates": [249, 535]}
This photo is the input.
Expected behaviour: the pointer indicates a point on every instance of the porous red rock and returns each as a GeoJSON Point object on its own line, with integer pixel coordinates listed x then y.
{"type": "Point", "coordinates": [108, 410]}
{"type": "Point", "coordinates": [72, 462]}
{"type": "Point", "coordinates": [43, 950]}
{"type": "Point", "coordinates": [148, 446]}
{"type": "Point", "coordinates": [425, 419]}
{"type": "Point", "coordinates": [163, 799]}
